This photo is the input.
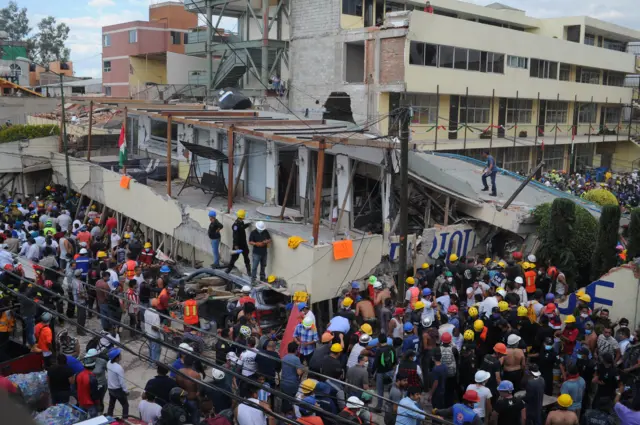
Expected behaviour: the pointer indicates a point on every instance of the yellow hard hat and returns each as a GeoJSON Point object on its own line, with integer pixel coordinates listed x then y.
{"type": "Point", "coordinates": [48, 187]}
{"type": "Point", "coordinates": [585, 297]}
{"type": "Point", "coordinates": [487, 261]}
{"type": "Point", "coordinates": [147, 244]}
{"type": "Point", "coordinates": [366, 328]}
{"type": "Point", "coordinates": [127, 235]}
{"type": "Point", "coordinates": [272, 279]}
{"type": "Point", "coordinates": [565, 400]}
{"type": "Point", "coordinates": [580, 292]}
{"type": "Point", "coordinates": [473, 312]}
{"type": "Point", "coordinates": [502, 264]}
{"type": "Point", "coordinates": [347, 302]}
{"type": "Point", "coordinates": [503, 306]}
{"type": "Point", "coordinates": [522, 311]}
{"type": "Point", "coordinates": [570, 319]}
{"type": "Point", "coordinates": [308, 385]}
{"type": "Point", "coordinates": [101, 254]}
{"type": "Point", "coordinates": [410, 280]}
{"type": "Point", "coordinates": [425, 265]}
{"type": "Point", "coordinates": [93, 207]}
{"type": "Point", "coordinates": [469, 335]}
{"type": "Point", "coordinates": [336, 348]}
{"type": "Point", "coordinates": [418, 305]}
{"type": "Point", "coordinates": [478, 325]}
{"type": "Point", "coordinates": [241, 214]}
{"type": "Point", "coordinates": [526, 265]}
{"type": "Point", "coordinates": [453, 257]}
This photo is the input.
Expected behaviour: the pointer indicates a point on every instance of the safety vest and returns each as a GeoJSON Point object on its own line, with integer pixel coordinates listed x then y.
{"type": "Point", "coordinates": [46, 230]}
{"type": "Point", "coordinates": [6, 322]}
{"type": "Point", "coordinates": [146, 257]}
{"type": "Point", "coordinates": [191, 312]}
{"type": "Point", "coordinates": [462, 414]}
{"type": "Point", "coordinates": [246, 299]}
{"type": "Point", "coordinates": [131, 267]}
{"type": "Point", "coordinates": [530, 281]}
{"type": "Point", "coordinates": [415, 293]}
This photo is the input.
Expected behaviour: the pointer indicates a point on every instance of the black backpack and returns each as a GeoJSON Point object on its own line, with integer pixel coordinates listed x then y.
{"type": "Point", "coordinates": [387, 359]}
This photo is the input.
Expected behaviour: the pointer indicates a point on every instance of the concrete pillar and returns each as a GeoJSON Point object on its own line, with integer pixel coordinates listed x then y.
{"type": "Point", "coordinates": [272, 172]}
{"type": "Point", "coordinates": [304, 156]}
{"type": "Point", "coordinates": [343, 175]}
{"type": "Point", "coordinates": [386, 203]}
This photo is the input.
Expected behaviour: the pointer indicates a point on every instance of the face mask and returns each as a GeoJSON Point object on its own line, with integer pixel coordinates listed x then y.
{"type": "Point", "coordinates": [449, 279]}
{"type": "Point", "coordinates": [584, 315]}
{"type": "Point", "coordinates": [548, 347]}
{"type": "Point", "coordinates": [587, 331]}
{"type": "Point", "coordinates": [580, 357]}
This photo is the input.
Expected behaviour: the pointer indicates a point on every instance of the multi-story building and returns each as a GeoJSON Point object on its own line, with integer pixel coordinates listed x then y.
{"type": "Point", "coordinates": [14, 65]}
{"type": "Point", "coordinates": [139, 54]}
{"type": "Point", "coordinates": [478, 77]}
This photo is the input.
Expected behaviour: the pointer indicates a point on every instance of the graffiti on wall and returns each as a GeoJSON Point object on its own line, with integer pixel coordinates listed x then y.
{"type": "Point", "coordinates": [459, 239]}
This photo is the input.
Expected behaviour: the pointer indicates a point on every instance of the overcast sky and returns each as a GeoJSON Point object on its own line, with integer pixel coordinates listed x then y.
{"type": "Point", "coordinates": [87, 17]}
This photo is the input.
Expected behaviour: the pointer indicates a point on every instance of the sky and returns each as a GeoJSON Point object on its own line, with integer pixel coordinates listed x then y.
{"type": "Point", "coordinates": [86, 18]}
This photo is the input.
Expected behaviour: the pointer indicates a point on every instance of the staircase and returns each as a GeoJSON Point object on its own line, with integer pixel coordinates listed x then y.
{"type": "Point", "coordinates": [237, 63]}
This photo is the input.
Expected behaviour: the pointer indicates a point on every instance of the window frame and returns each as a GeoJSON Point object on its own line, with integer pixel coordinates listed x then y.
{"type": "Point", "coordinates": [352, 4]}
{"type": "Point", "coordinates": [617, 114]}
{"type": "Point", "coordinates": [543, 69]}
{"type": "Point", "coordinates": [588, 74]}
{"type": "Point", "coordinates": [523, 111]}
{"type": "Point", "coordinates": [589, 110]}
{"type": "Point", "coordinates": [176, 35]}
{"type": "Point", "coordinates": [106, 68]}
{"type": "Point", "coordinates": [589, 39]}
{"type": "Point", "coordinates": [12, 70]}
{"type": "Point", "coordinates": [553, 109]}
{"type": "Point", "coordinates": [518, 62]}
{"type": "Point", "coordinates": [133, 34]}
{"type": "Point", "coordinates": [472, 106]}
{"type": "Point", "coordinates": [568, 71]}
{"type": "Point", "coordinates": [106, 40]}
{"type": "Point", "coordinates": [426, 106]}
{"type": "Point", "coordinates": [107, 90]}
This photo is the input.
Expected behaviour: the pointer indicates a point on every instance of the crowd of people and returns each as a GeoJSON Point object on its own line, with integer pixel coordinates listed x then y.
{"type": "Point", "coordinates": [478, 341]}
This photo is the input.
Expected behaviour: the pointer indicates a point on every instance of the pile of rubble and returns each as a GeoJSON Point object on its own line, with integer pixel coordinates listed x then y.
{"type": "Point", "coordinates": [76, 114]}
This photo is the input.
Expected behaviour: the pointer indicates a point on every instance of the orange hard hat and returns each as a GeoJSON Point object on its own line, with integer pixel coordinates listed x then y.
{"type": "Point", "coordinates": [500, 348]}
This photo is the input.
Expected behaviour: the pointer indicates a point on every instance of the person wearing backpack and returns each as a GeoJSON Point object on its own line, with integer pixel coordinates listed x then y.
{"type": "Point", "coordinates": [87, 388]}
{"type": "Point", "coordinates": [450, 358]}
{"type": "Point", "coordinates": [384, 365]}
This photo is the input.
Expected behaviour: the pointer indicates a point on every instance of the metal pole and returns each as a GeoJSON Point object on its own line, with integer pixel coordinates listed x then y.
{"type": "Point", "coordinates": [466, 117]}
{"type": "Point", "coordinates": [333, 186]}
{"type": "Point", "coordinates": [208, 47]}
{"type": "Point", "coordinates": [590, 116]}
{"type": "Point", "coordinates": [318, 198]}
{"type": "Point", "coordinates": [619, 122]}
{"type": "Point", "coordinates": [435, 146]}
{"type": "Point", "coordinates": [535, 123]}
{"type": "Point", "coordinates": [631, 114]}
{"type": "Point", "coordinates": [493, 101]}
{"type": "Point", "coordinates": [447, 206]}
{"type": "Point", "coordinates": [230, 154]}
{"type": "Point", "coordinates": [265, 43]}
{"type": "Point", "coordinates": [515, 119]}
{"type": "Point", "coordinates": [169, 121]}
{"type": "Point", "coordinates": [555, 136]}
{"type": "Point", "coordinates": [522, 186]}
{"type": "Point", "coordinates": [573, 135]}
{"type": "Point", "coordinates": [603, 124]}
{"type": "Point", "coordinates": [90, 128]}
{"type": "Point", "coordinates": [404, 196]}
{"type": "Point", "coordinates": [124, 123]}
{"type": "Point", "coordinates": [286, 192]}
{"type": "Point", "coordinates": [64, 137]}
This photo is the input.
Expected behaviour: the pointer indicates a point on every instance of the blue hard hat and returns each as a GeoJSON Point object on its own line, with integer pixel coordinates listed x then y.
{"type": "Point", "coordinates": [212, 213]}
{"type": "Point", "coordinates": [408, 327]}
{"type": "Point", "coordinates": [165, 269]}
{"type": "Point", "coordinates": [549, 297]}
{"type": "Point", "coordinates": [426, 292]}
{"type": "Point", "coordinates": [114, 353]}
{"type": "Point", "coordinates": [355, 285]}
{"type": "Point", "coordinates": [505, 386]}
{"type": "Point", "coordinates": [34, 234]}
{"type": "Point", "coordinates": [302, 305]}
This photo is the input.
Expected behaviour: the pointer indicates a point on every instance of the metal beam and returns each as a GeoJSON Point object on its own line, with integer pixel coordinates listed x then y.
{"type": "Point", "coordinates": [209, 114]}
{"type": "Point", "coordinates": [318, 195]}
{"type": "Point", "coordinates": [521, 187]}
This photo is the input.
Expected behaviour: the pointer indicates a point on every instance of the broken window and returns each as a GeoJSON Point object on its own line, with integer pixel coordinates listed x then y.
{"type": "Point", "coordinates": [159, 130]}
{"type": "Point", "coordinates": [352, 7]}
{"type": "Point", "coordinates": [354, 72]}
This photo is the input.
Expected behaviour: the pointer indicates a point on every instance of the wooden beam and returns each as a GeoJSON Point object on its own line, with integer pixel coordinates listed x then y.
{"type": "Point", "coordinates": [240, 169]}
{"type": "Point", "coordinates": [169, 118]}
{"type": "Point", "coordinates": [86, 214]}
{"type": "Point", "coordinates": [446, 210]}
{"type": "Point", "coordinates": [286, 192]}
{"type": "Point", "coordinates": [346, 196]}
{"type": "Point", "coordinates": [230, 154]}
{"type": "Point", "coordinates": [269, 123]}
{"type": "Point", "coordinates": [318, 198]}
{"type": "Point", "coordinates": [124, 125]}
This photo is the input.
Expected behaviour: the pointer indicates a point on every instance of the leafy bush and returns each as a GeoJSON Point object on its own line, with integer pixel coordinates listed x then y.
{"type": "Point", "coordinates": [21, 132]}
{"type": "Point", "coordinates": [633, 248]}
{"type": "Point", "coordinates": [601, 197]}
{"type": "Point", "coordinates": [556, 244]}
{"type": "Point", "coordinates": [582, 241]}
{"type": "Point", "coordinates": [604, 256]}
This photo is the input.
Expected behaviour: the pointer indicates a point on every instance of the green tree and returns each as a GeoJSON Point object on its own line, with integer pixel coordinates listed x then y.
{"type": "Point", "coordinates": [604, 256]}
{"type": "Point", "coordinates": [48, 43]}
{"type": "Point", "coordinates": [633, 248]}
{"type": "Point", "coordinates": [558, 237]}
{"type": "Point", "coordinates": [14, 21]}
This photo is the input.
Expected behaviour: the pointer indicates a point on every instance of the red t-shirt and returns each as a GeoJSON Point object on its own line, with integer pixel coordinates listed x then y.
{"type": "Point", "coordinates": [163, 300]}
{"type": "Point", "coordinates": [84, 237]}
{"type": "Point", "coordinates": [111, 223]}
{"type": "Point", "coordinates": [84, 388]}
{"type": "Point", "coordinates": [572, 336]}
{"type": "Point", "coordinates": [428, 9]}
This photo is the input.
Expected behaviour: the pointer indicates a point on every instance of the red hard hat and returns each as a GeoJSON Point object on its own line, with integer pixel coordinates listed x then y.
{"type": "Point", "coordinates": [472, 396]}
{"type": "Point", "coordinates": [453, 309]}
{"type": "Point", "coordinates": [8, 267]}
{"type": "Point", "coordinates": [500, 348]}
{"type": "Point", "coordinates": [517, 255]}
{"type": "Point", "coordinates": [552, 272]}
{"type": "Point", "coordinates": [446, 338]}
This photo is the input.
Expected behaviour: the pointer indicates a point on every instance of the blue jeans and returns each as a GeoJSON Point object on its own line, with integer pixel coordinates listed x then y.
{"type": "Point", "coordinates": [193, 411]}
{"type": "Point", "coordinates": [262, 259]}
{"type": "Point", "coordinates": [380, 384]}
{"type": "Point", "coordinates": [493, 181]}
{"type": "Point", "coordinates": [215, 247]}
{"type": "Point", "coordinates": [154, 350]}
{"type": "Point", "coordinates": [29, 328]}
{"type": "Point", "coordinates": [105, 312]}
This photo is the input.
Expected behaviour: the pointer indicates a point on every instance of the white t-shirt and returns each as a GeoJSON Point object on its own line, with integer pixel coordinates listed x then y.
{"type": "Point", "coordinates": [487, 305]}
{"type": "Point", "coordinates": [353, 356]}
{"type": "Point", "coordinates": [484, 393]}
{"type": "Point", "coordinates": [445, 301]}
{"type": "Point", "coordinates": [115, 240]}
{"type": "Point", "coordinates": [151, 318]}
{"type": "Point", "coordinates": [64, 221]}
{"type": "Point", "coordinates": [249, 415]}
{"type": "Point", "coordinates": [248, 362]}
{"type": "Point", "coordinates": [149, 412]}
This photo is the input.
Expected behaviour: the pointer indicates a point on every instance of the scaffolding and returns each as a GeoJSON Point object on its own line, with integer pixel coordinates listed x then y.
{"type": "Point", "coordinates": [248, 58]}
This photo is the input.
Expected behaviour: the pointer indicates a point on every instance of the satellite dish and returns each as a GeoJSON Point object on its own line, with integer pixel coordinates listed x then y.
{"type": "Point", "coordinates": [233, 99]}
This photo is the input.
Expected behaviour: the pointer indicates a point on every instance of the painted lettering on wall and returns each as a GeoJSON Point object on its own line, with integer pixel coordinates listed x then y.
{"type": "Point", "coordinates": [458, 239]}
{"type": "Point", "coordinates": [592, 290]}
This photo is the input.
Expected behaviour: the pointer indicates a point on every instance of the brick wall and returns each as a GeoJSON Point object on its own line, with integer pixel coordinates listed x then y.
{"type": "Point", "coordinates": [392, 60]}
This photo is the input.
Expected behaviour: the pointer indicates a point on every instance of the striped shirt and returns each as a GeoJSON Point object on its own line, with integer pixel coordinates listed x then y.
{"type": "Point", "coordinates": [132, 300]}
{"type": "Point", "coordinates": [263, 395]}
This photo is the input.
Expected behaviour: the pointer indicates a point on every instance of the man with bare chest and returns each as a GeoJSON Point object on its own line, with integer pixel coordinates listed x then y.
{"type": "Point", "coordinates": [514, 362]}
{"type": "Point", "coordinates": [562, 416]}
{"type": "Point", "coordinates": [186, 380]}
{"type": "Point", "coordinates": [365, 312]}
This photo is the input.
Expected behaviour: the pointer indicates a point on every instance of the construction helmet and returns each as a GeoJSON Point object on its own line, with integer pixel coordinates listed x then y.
{"type": "Point", "coordinates": [522, 311]}
{"type": "Point", "coordinates": [487, 261]}
{"type": "Point", "coordinates": [271, 278]}
{"type": "Point", "coordinates": [585, 298]}
{"type": "Point", "coordinates": [500, 348]}
{"type": "Point", "coordinates": [410, 281]}
{"type": "Point", "coordinates": [502, 264]}
{"type": "Point", "coordinates": [570, 319]}
{"type": "Point", "coordinates": [308, 385]}
{"type": "Point", "coordinates": [147, 245]}
{"type": "Point", "coordinates": [418, 305]}
{"type": "Point", "coordinates": [241, 214]}
{"type": "Point", "coordinates": [478, 325]}
{"type": "Point", "coordinates": [552, 272]}
{"type": "Point", "coordinates": [473, 312]}
{"type": "Point", "coordinates": [469, 335]}
{"type": "Point", "coordinates": [336, 348]}
{"type": "Point", "coordinates": [101, 254]}
{"type": "Point", "coordinates": [565, 400]}
{"type": "Point", "coordinates": [425, 266]}
{"type": "Point", "coordinates": [366, 328]}
{"type": "Point", "coordinates": [503, 306]}
{"type": "Point", "coordinates": [347, 302]}
{"type": "Point", "coordinates": [453, 257]}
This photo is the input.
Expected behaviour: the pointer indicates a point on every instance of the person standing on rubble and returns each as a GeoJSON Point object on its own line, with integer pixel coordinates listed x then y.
{"type": "Point", "coordinates": [491, 171]}
{"type": "Point", "coordinates": [214, 234]}
{"type": "Point", "coordinates": [240, 245]}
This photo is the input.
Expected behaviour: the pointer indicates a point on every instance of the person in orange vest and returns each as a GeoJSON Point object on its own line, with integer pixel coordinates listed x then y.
{"type": "Point", "coordinates": [246, 297]}
{"type": "Point", "coordinates": [530, 276]}
{"type": "Point", "coordinates": [147, 254]}
{"type": "Point", "coordinates": [413, 293]}
{"type": "Point", "coordinates": [7, 320]}
{"type": "Point", "coordinates": [191, 317]}
{"type": "Point", "coordinates": [128, 269]}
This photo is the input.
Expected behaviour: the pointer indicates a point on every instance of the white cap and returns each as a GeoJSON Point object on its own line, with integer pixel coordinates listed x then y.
{"type": "Point", "coordinates": [83, 251]}
{"type": "Point", "coordinates": [217, 374]}
{"type": "Point", "coordinates": [513, 339]}
{"type": "Point", "coordinates": [186, 347]}
{"type": "Point", "coordinates": [354, 402]}
{"type": "Point", "coordinates": [531, 258]}
{"type": "Point", "coordinates": [469, 291]}
{"type": "Point", "coordinates": [501, 292]}
{"type": "Point", "coordinates": [519, 280]}
{"type": "Point", "coordinates": [481, 376]}
{"type": "Point", "coordinates": [377, 285]}
{"type": "Point", "coordinates": [260, 225]}
{"type": "Point", "coordinates": [246, 289]}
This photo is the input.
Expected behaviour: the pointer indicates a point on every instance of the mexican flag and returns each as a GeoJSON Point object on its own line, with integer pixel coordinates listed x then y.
{"type": "Point", "coordinates": [122, 146]}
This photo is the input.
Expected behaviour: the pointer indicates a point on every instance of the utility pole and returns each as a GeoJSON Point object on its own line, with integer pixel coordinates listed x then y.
{"type": "Point", "coordinates": [405, 116]}
{"type": "Point", "coordinates": [64, 137]}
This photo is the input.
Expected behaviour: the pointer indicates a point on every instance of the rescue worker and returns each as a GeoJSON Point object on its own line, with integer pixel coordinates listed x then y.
{"type": "Point", "coordinates": [174, 413]}
{"type": "Point", "coordinates": [463, 413]}
{"type": "Point", "coordinates": [412, 295]}
{"type": "Point", "coordinates": [7, 320]}
{"type": "Point", "coordinates": [352, 409]}
{"type": "Point", "coordinates": [82, 263]}
{"type": "Point", "coordinates": [530, 277]}
{"type": "Point", "coordinates": [49, 228]}
{"type": "Point", "coordinates": [240, 245]}
{"type": "Point", "coordinates": [214, 234]}
{"type": "Point", "coordinates": [128, 269]}
{"type": "Point", "coordinates": [191, 317]}
{"type": "Point", "coordinates": [147, 254]}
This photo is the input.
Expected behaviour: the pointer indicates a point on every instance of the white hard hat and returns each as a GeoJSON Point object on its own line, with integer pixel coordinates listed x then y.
{"type": "Point", "coordinates": [83, 251]}
{"type": "Point", "coordinates": [354, 402]}
{"type": "Point", "coordinates": [186, 347]}
{"type": "Point", "coordinates": [246, 289]}
{"type": "Point", "coordinates": [377, 285]}
{"type": "Point", "coordinates": [232, 357]}
{"type": "Point", "coordinates": [260, 225]}
{"type": "Point", "coordinates": [364, 339]}
{"type": "Point", "coordinates": [481, 376]}
{"type": "Point", "coordinates": [501, 292]}
{"type": "Point", "coordinates": [217, 374]}
{"type": "Point", "coordinates": [513, 339]}
{"type": "Point", "coordinates": [519, 280]}
{"type": "Point", "coordinates": [531, 258]}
